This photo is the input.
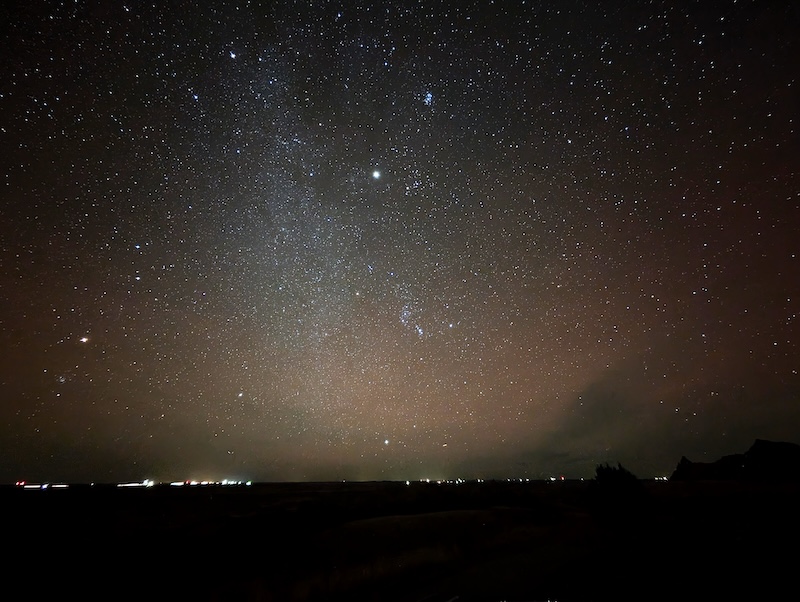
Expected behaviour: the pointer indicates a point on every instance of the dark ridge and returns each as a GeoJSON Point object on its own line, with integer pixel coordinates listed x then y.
{"type": "Point", "coordinates": [764, 461]}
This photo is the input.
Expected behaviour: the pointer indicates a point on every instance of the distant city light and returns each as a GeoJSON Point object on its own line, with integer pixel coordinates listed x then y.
{"type": "Point", "coordinates": [222, 483]}
{"type": "Point", "coordinates": [145, 483]}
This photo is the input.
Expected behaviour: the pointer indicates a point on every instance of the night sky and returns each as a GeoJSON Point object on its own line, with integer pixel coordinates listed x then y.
{"type": "Point", "coordinates": [341, 240]}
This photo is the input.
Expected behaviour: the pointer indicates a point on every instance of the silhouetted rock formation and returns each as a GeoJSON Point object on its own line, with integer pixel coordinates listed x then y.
{"type": "Point", "coordinates": [764, 461]}
{"type": "Point", "coordinates": [616, 495]}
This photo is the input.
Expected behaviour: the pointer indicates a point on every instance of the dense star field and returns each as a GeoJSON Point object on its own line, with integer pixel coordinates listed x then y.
{"type": "Point", "coordinates": [343, 240]}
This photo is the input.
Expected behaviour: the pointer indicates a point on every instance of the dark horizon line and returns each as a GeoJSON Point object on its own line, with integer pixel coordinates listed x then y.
{"type": "Point", "coordinates": [147, 483]}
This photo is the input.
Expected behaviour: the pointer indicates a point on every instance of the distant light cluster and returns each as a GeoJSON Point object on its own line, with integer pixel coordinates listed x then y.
{"type": "Point", "coordinates": [146, 484]}
{"type": "Point", "coordinates": [223, 483]}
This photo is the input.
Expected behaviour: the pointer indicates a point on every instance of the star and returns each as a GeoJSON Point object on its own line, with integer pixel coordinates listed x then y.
{"type": "Point", "coordinates": [558, 256]}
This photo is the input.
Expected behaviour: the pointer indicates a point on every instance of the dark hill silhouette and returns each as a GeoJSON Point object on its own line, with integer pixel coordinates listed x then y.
{"type": "Point", "coordinates": [764, 461]}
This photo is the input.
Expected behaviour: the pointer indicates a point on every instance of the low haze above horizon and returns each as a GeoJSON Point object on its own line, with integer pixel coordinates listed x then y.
{"type": "Point", "coordinates": [288, 241]}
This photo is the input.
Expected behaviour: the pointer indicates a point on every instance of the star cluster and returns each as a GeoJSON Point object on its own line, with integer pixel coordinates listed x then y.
{"type": "Point", "coordinates": [333, 240]}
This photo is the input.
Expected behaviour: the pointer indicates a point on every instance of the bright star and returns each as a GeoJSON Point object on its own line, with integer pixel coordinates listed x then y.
{"type": "Point", "coordinates": [376, 174]}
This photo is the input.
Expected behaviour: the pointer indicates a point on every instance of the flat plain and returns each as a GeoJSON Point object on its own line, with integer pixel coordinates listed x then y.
{"type": "Point", "coordinates": [493, 540]}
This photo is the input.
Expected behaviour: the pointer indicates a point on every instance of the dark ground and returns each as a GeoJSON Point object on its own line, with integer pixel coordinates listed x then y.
{"type": "Point", "coordinates": [389, 541]}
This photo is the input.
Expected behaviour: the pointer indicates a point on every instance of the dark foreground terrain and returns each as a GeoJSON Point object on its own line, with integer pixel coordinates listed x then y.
{"type": "Point", "coordinates": [398, 542]}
